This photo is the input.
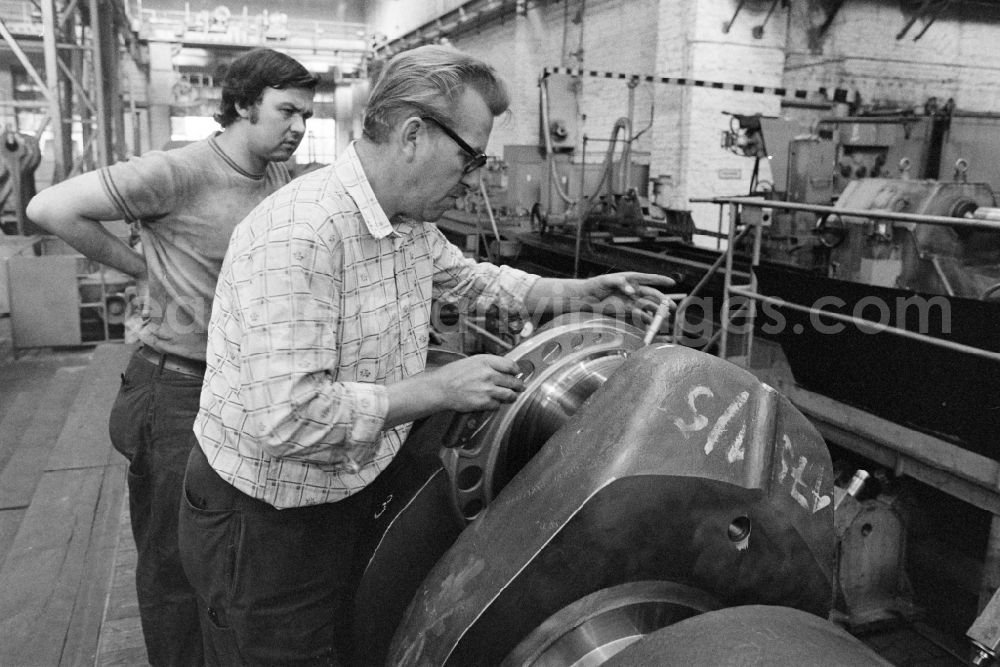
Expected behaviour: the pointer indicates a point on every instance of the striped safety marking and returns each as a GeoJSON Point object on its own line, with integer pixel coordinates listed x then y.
{"type": "Point", "coordinates": [834, 94]}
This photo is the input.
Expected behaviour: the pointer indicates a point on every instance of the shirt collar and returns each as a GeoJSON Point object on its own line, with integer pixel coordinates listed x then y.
{"type": "Point", "coordinates": [351, 174]}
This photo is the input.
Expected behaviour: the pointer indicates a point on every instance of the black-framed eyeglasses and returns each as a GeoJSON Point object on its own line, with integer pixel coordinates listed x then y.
{"type": "Point", "coordinates": [476, 160]}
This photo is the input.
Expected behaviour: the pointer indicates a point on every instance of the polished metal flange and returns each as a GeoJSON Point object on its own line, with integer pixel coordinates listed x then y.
{"type": "Point", "coordinates": [562, 365]}
{"type": "Point", "coordinates": [589, 631]}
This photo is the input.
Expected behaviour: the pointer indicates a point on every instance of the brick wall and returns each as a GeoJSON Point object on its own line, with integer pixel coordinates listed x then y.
{"type": "Point", "coordinates": [957, 57]}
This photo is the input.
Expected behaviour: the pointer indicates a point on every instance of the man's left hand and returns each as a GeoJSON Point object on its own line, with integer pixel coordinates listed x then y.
{"type": "Point", "coordinates": [628, 294]}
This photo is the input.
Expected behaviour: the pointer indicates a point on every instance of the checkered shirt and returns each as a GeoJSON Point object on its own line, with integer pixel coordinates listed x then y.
{"type": "Point", "coordinates": [321, 303]}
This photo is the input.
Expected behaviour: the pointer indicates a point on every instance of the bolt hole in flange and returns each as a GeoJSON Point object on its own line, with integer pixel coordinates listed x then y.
{"type": "Point", "coordinates": [471, 509]}
{"type": "Point", "coordinates": [551, 352]}
{"type": "Point", "coordinates": [469, 477]}
{"type": "Point", "coordinates": [739, 532]}
{"type": "Point", "coordinates": [472, 447]}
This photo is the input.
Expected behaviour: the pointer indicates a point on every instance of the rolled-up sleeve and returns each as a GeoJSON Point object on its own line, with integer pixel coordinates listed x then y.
{"type": "Point", "coordinates": [468, 284]}
{"type": "Point", "coordinates": [288, 294]}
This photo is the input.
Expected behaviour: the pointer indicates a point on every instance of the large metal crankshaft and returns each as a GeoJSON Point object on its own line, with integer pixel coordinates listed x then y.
{"type": "Point", "coordinates": [628, 488]}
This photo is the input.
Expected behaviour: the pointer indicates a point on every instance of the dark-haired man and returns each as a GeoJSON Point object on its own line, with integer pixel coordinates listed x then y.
{"type": "Point", "coordinates": [186, 202]}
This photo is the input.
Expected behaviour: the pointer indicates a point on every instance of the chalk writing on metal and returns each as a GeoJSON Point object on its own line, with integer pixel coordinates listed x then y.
{"type": "Point", "coordinates": [737, 451]}
{"type": "Point", "coordinates": [818, 500]}
{"type": "Point", "coordinates": [723, 421]}
{"type": "Point", "coordinates": [700, 421]}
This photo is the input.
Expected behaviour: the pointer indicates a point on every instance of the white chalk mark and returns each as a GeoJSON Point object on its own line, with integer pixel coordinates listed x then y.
{"type": "Point", "coordinates": [723, 421]}
{"type": "Point", "coordinates": [700, 421]}
{"type": "Point", "coordinates": [785, 449]}
{"type": "Point", "coordinates": [737, 451]}
{"type": "Point", "coordinates": [797, 480]}
{"type": "Point", "coordinates": [821, 500]}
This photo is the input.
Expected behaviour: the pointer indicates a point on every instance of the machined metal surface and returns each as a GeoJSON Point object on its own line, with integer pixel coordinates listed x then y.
{"type": "Point", "coordinates": [570, 357]}
{"type": "Point", "coordinates": [681, 468]}
{"type": "Point", "coordinates": [750, 635]}
{"type": "Point", "coordinates": [562, 365]}
{"type": "Point", "coordinates": [591, 630]}
{"type": "Point", "coordinates": [985, 632]}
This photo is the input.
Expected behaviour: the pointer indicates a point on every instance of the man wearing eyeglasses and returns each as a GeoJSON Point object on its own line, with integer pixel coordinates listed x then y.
{"type": "Point", "coordinates": [316, 359]}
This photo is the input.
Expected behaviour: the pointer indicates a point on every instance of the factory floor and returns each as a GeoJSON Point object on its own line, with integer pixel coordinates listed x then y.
{"type": "Point", "coordinates": [68, 561]}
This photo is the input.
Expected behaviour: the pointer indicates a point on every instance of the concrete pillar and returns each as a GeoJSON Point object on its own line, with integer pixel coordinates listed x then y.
{"type": "Point", "coordinates": [160, 95]}
{"type": "Point", "coordinates": [8, 115]}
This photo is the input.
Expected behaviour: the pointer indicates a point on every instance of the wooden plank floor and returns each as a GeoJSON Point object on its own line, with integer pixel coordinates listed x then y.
{"type": "Point", "coordinates": [62, 495]}
{"type": "Point", "coordinates": [121, 642]}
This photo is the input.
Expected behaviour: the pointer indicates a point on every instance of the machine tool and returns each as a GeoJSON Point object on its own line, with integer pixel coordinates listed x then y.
{"type": "Point", "coordinates": [19, 158]}
{"type": "Point", "coordinates": [934, 164]}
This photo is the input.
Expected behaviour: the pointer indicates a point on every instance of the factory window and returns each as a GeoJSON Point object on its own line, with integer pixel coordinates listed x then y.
{"type": "Point", "coordinates": [319, 144]}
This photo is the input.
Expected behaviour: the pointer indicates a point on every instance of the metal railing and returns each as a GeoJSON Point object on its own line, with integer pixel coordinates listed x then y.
{"type": "Point", "coordinates": [680, 316]}
{"type": "Point", "coordinates": [267, 28]}
{"type": "Point", "coordinates": [751, 293]}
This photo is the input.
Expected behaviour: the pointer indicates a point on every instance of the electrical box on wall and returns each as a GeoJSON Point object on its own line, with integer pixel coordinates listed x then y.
{"type": "Point", "coordinates": [561, 116]}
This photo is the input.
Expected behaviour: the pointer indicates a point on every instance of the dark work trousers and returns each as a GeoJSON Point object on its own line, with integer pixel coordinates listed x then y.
{"type": "Point", "coordinates": [151, 425]}
{"type": "Point", "coordinates": [275, 587]}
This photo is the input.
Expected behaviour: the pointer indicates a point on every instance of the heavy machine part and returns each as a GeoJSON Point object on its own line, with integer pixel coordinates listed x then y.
{"type": "Point", "coordinates": [750, 635]}
{"type": "Point", "coordinates": [985, 633]}
{"type": "Point", "coordinates": [454, 464]}
{"type": "Point", "coordinates": [562, 365]}
{"type": "Point", "coordinates": [882, 163]}
{"type": "Point", "coordinates": [19, 158]}
{"type": "Point", "coordinates": [928, 259]}
{"type": "Point", "coordinates": [590, 630]}
{"type": "Point", "coordinates": [940, 281]}
{"type": "Point", "coordinates": [872, 586]}
{"type": "Point", "coordinates": [681, 485]}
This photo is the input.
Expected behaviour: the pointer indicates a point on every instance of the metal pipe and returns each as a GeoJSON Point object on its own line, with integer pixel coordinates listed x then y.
{"type": "Point", "coordinates": [712, 270]}
{"type": "Point", "coordinates": [754, 262]}
{"type": "Point", "coordinates": [936, 263]}
{"type": "Point", "coordinates": [552, 176]}
{"type": "Point", "coordinates": [578, 241]}
{"type": "Point", "coordinates": [882, 328]}
{"type": "Point", "coordinates": [627, 154]}
{"type": "Point", "coordinates": [50, 37]}
{"type": "Point", "coordinates": [727, 283]}
{"type": "Point", "coordinates": [726, 28]}
{"type": "Point", "coordinates": [718, 239]}
{"type": "Point", "coordinates": [486, 334]}
{"type": "Point", "coordinates": [97, 64]}
{"type": "Point", "coordinates": [854, 212]}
